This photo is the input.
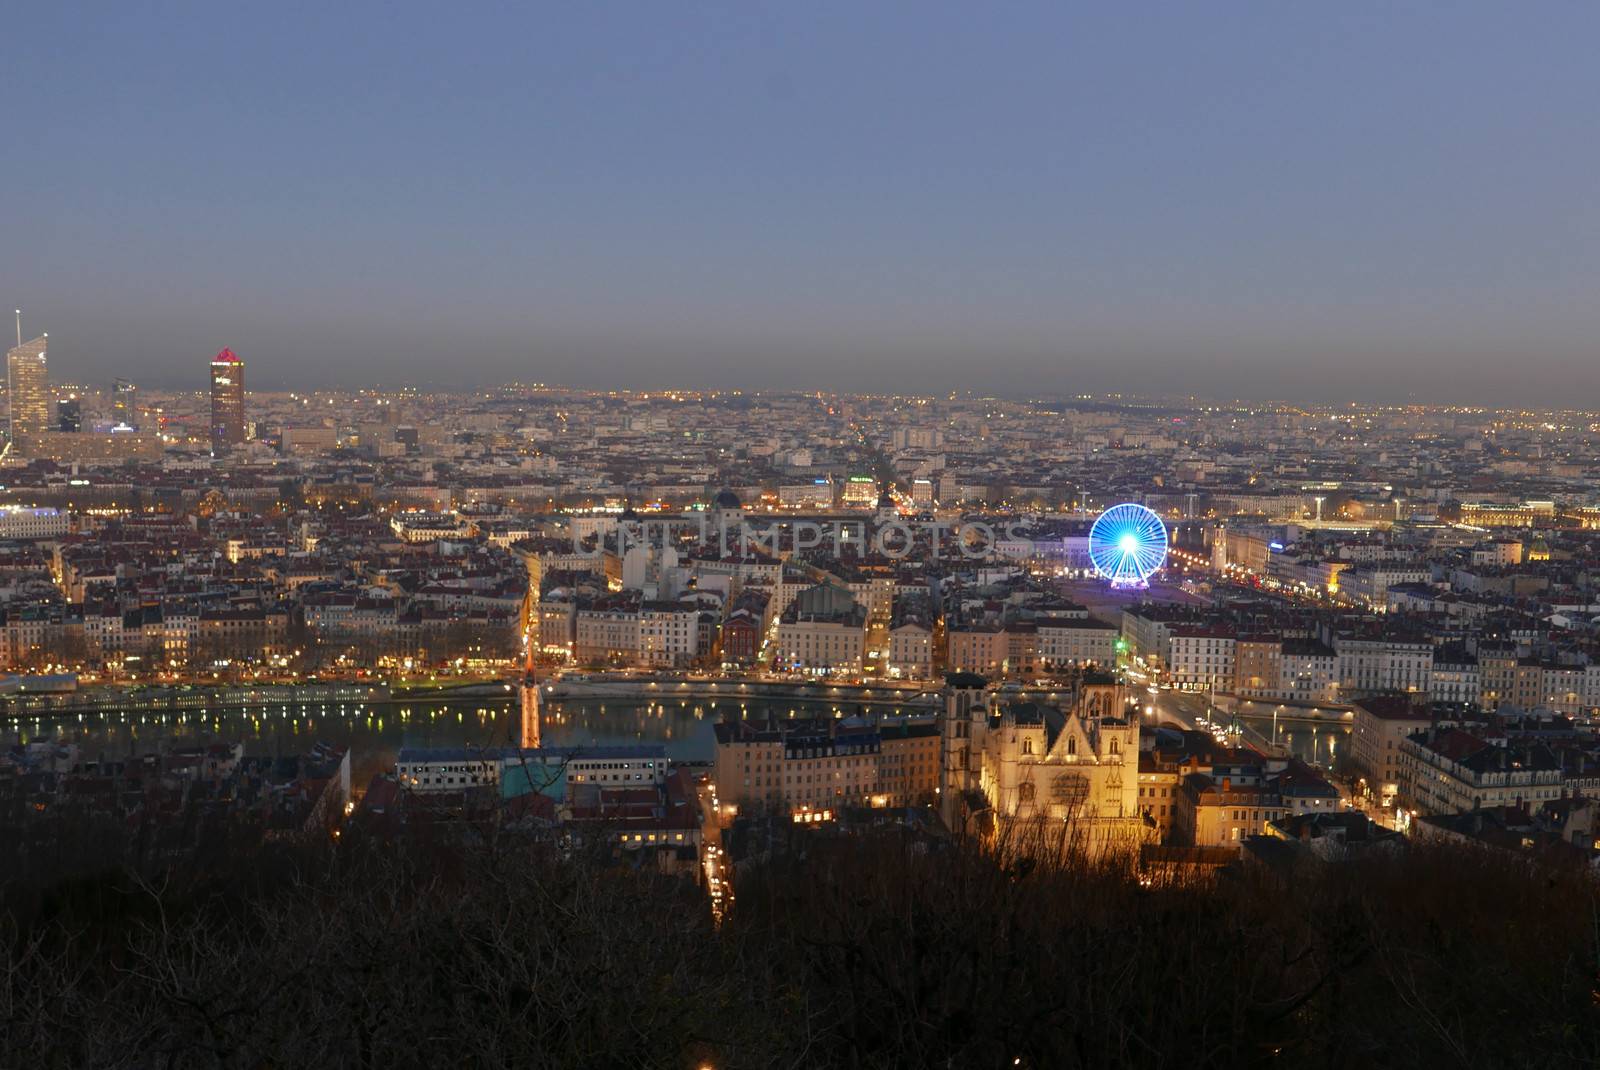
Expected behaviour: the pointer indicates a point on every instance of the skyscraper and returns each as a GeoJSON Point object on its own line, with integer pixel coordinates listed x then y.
{"type": "Point", "coordinates": [28, 387]}
{"type": "Point", "coordinates": [227, 400]}
{"type": "Point", "coordinates": [125, 404]}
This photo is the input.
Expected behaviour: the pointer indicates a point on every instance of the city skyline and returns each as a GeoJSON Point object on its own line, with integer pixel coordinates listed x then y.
{"type": "Point", "coordinates": [123, 389]}
{"type": "Point", "coordinates": [678, 639]}
{"type": "Point", "coordinates": [1273, 204]}
{"type": "Point", "coordinates": [810, 535]}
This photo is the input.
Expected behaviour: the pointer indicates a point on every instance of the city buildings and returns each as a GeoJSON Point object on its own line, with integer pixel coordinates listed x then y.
{"type": "Point", "coordinates": [513, 771]}
{"type": "Point", "coordinates": [17, 522]}
{"type": "Point", "coordinates": [1451, 769]}
{"type": "Point", "coordinates": [785, 766]}
{"type": "Point", "coordinates": [822, 631]}
{"type": "Point", "coordinates": [1226, 807]}
{"type": "Point", "coordinates": [183, 799]}
{"type": "Point", "coordinates": [397, 534]}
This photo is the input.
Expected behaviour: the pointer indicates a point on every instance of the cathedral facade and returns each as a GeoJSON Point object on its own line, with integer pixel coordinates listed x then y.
{"type": "Point", "coordinates": [1020, 769]}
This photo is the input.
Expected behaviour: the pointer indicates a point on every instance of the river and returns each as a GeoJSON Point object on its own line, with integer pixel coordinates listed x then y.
{"type": "Point", "coordinates": [376, 732]}
{"type": "Point", "coordinates": [1321, 743]}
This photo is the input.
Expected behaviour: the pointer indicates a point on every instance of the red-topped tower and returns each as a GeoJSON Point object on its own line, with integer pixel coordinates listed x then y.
{"type": "Point", "coordinates": [227, 400]}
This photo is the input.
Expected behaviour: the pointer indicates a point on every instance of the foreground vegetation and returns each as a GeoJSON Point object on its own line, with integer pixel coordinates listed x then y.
{"type": "Point", "coordinates": [865, 953]}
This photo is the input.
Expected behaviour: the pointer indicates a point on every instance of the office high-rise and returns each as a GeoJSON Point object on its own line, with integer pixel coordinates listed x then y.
{"type": "Point", "coordinates": [125, 405]}
{"type": "Point", "coordinates": [28, 384]}
{"type": "Point", "coordinates": [227, 400]}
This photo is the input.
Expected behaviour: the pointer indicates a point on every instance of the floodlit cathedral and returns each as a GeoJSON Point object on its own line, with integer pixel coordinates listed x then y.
{"type": "Point", "coordinates": [1023, 768]}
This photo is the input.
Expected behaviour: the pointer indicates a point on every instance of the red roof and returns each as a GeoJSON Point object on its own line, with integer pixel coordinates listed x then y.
{"type": "Point", "coordinates": [227, 356]}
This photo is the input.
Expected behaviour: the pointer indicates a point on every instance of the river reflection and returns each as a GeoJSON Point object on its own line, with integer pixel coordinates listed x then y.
{"type": "Point", "coordinates": [1323, 744]}
{"type": "Point", "coordinates": [376, 732]}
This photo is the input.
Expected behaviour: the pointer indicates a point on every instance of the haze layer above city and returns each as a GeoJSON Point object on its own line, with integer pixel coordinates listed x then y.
{"type": "Point", "coordinates": [1367, 203]}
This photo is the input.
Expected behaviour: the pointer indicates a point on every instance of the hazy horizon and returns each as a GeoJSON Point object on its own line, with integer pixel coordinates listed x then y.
{"type": "Point", "coordinates": [1368, 203]}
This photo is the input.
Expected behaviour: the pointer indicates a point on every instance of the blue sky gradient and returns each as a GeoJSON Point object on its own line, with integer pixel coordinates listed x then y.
{"type": "Point", "coordinates": [1354, 201]}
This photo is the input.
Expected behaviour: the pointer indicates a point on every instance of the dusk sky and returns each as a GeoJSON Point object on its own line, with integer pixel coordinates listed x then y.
{"type": "Point", "coordinates": [1330, 202]}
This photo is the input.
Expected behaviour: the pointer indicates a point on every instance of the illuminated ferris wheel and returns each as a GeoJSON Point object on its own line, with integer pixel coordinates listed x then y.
{"type": "Point", "coordinates": [1127, 544]}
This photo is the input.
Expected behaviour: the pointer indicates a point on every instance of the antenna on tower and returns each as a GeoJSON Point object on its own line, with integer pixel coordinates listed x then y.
{"type": "Point", "coordinates": [19, 327]}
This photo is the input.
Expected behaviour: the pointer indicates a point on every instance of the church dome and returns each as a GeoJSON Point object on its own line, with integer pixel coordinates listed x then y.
{"type": "Point", "coordinates": [726, 499]}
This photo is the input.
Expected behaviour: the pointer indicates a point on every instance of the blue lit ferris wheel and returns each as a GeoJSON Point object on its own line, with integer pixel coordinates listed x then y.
{"type": "Point", "coordinates": [1127, 543]}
